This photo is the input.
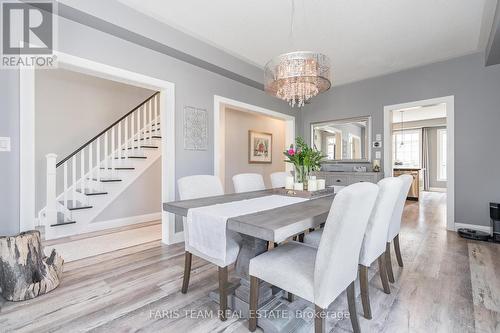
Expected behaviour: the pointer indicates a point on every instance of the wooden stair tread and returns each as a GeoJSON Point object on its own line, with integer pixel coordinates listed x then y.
{"type": "Point", "coordinates": [119, 168]}
{"type": "Point", "coordinates": [107, 179]}
{"type": "Point", "coordinates": [90, 191]}
{"type": "Point", "coordinates": [124, 157]}
{"type": "Point", "coordinates": [75, 206]}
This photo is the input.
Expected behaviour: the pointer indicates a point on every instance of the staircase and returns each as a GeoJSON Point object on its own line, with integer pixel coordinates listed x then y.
{"type": "Point", "coordinates": [83, 184]}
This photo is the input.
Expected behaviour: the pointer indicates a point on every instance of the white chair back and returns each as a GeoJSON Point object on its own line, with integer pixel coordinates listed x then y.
{"type": "Point", "coordinates": [376, 230]}
{"type": "Point", "coordinates": [278, 179]}
{"type": "Point", "coordinates": [395, 224]}
{"type": "Point", "coordinates": [246, 182]}
{"type": "Point", "coordinates": [338, 253]}
{"type": "Point", "coordinates": [200, 186]}
{"type": "Point", "coordinates": [194, 187]}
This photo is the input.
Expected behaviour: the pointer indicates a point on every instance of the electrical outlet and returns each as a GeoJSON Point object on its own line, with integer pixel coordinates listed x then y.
{"type": "Point", "coordinates": [4, 143]}
{"type": "Point", "coordinates": [377, 155]}
{"type": "Point", "coordinates": [378, 137]}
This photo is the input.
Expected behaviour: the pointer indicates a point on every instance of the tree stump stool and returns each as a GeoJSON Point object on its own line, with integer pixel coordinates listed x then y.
{"type": "Point", "coordinates": [25, 271]}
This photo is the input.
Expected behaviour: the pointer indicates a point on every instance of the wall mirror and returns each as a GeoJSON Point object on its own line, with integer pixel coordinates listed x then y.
{"type": "Point", "coordinates": [343, 140]}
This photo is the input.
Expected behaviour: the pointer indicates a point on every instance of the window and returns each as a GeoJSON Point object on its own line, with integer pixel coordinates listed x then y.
{"type": "Point", "coordinates": [406, 148]}
{"type": "Point", "coordinates": [441, 152]}
{"type": "Point", "coordinates": [330, 147]}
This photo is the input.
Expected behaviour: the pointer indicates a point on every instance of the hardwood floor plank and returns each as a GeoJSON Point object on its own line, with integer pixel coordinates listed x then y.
{"type": "Point", "coordinates": [485, 271]}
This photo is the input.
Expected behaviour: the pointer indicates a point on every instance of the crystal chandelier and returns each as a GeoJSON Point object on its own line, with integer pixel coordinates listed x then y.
{"type": "Point", "coordinates": [296, 77]}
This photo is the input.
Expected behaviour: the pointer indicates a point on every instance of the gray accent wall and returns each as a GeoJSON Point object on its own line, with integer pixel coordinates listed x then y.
{"type": "Point", "coordinates": [477, 118]}
{"type": "Point", "coordinates": [9, 161]}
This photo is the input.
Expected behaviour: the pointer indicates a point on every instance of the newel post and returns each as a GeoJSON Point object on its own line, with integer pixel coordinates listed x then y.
{"type": "Point", "coordinates": [51, 212]}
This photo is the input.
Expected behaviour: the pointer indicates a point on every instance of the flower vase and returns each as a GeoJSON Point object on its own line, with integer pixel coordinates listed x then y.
{"type": "Point", "coordinates": [301, 175]}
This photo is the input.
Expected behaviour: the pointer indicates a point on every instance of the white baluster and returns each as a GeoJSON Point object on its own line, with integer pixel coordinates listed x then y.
{"type": "Point", "coordinates": [113, 148]}
{"type": "Point", "coordinates": [82, 172]}
{"type": "Point", "coordinates": [98, 159]}
{"type": "Point", "coordinates": [157, 106]}
{"type": "Point", "coordinates": [132, 131]}
{"type": "Point", "coordinates": [150, 121]}
{"type": "Point", "coordinates": [106, 157]}
{"type": "Point", "coordinates": [120, 142]}
{"type": "Point", "coordinates": [51, 212]}
{"type": "Point", "coordinates": [73, 176]}
{"type": "Point", "coordinates": [65, 191]}
{"type": "Point", "coordinates": [138, 129]}
{"type": "Point", "coordinates": [143, 128]}
{"type": "Point", "coordinates": [91, 160]}
{"type": "Point", "coordinates": [126, 138]}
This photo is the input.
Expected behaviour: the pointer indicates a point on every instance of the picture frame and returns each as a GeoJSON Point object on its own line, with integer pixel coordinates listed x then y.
{"type": "Point", "coordinates": [260, 147]}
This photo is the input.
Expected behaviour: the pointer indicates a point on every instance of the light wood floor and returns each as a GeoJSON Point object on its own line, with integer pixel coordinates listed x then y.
{"type": "Point", "coordinates": [447, 285]}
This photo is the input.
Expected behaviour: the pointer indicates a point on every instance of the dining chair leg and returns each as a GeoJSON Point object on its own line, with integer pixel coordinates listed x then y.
{"type": "Point", "coordinates": [383, 274]}
{"type": "Point", "coordinates": [222, 293]}
{"type": "Point", "coordinates": [351, 301]}
{"type": "Point", "coordinates": [319, 320]}
{"type": "Point", "coordinates": [365, 295]}
{"type": "Point", "coordinates": [254, 300]}
{"type": "Point", "coordinates": [388, 262]}
{"type": "Point", "coordinates": [290, 297]}
{"type": "Point", "coordinates": [397, 249]}
{"type": "Point", "coordinates": [188, 257]}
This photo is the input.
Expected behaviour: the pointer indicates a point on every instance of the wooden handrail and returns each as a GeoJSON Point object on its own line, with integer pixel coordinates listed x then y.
{"type": "Point", "coordinates": [104, 131]}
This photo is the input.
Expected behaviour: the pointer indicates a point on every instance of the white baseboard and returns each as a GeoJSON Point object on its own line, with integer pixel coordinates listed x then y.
{"type": "Point", "coordinates": [483, 228]}
{"type": "Point", "coordinates": [438, 189]}
{"type": "Point", "coordinates": [101, 225]}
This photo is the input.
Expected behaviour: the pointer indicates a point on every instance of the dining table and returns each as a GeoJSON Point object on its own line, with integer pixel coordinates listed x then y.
{"type": "Point", "coordinates": [260, 228]}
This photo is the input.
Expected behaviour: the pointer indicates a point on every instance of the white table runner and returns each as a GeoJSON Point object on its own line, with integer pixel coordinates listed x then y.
{"type": "Point", "coordinates": [207, 225]}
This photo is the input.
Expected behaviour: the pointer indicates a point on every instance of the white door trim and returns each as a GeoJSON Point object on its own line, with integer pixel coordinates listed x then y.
{"type": "Point", "coordinates": [219, 131]}
{"type": "Point", "coordinates": [450, 126]}
{"type": "Point", "coordinates": [90, 67]}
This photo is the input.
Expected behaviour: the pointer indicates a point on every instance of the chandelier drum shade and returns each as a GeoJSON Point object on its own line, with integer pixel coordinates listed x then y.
{"type": "Point", "coordinates": [296, 77]}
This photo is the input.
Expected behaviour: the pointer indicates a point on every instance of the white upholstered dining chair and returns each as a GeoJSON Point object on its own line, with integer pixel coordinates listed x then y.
{"type": "Point", "coordinates": [194, 187]}
{"type": "Point", "coordinates": [373, 247]}
{"type": "Point", "coordinates": [374, 242]}
{"type": "Point", "coordinates": [278, 179]}
{"type": "Point", "coordinates": [246, 182]}
{"type": "Point", "coordinates": [320, 275]}
{"type": "Point", "coordinates": [395, 226]}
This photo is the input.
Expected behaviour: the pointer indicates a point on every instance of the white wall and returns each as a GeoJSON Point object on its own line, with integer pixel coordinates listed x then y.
{"type": "Point", "coordinates": [70, 109]}
{"type": "Point", "coordinates": [237, 125]}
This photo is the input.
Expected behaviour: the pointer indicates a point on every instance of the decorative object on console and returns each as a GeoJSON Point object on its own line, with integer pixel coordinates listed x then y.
{"type": "Point", "coordinates": [305, 160]}
{"type": "Point", "coordinates": [359, 168]}
{"type": "Point", "coordinates": [195, 128]}
{"type": "Point", "coordinates": [260, 147]}
{"type": "Point", "coordinates": [376, 166]}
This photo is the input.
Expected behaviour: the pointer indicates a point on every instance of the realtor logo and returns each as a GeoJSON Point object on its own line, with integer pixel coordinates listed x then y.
{"type": "Point", "coordinates": [28, 34]}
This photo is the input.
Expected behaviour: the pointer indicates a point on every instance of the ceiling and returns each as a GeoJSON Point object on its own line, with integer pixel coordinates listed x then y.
{"type": "Point", "coordinates": [362, 38]}
{"type": "Point", "coordinates": [420, 113]}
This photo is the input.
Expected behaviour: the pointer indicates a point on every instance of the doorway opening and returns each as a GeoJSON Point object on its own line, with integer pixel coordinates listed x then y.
{"type": "Point", "coordinates": [419, 140]}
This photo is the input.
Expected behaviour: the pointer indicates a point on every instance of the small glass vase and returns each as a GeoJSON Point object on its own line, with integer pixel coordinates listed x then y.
{"type": "Point", "coordinates": [301, 175]}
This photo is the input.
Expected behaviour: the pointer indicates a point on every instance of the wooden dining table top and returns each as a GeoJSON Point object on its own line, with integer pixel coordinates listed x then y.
{"type": "Point", "coordinates": [274, 225]}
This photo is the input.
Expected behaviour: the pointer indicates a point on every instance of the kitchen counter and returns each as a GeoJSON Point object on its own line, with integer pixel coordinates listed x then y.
{"type": "Point", "coordinates": [406, 169]}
